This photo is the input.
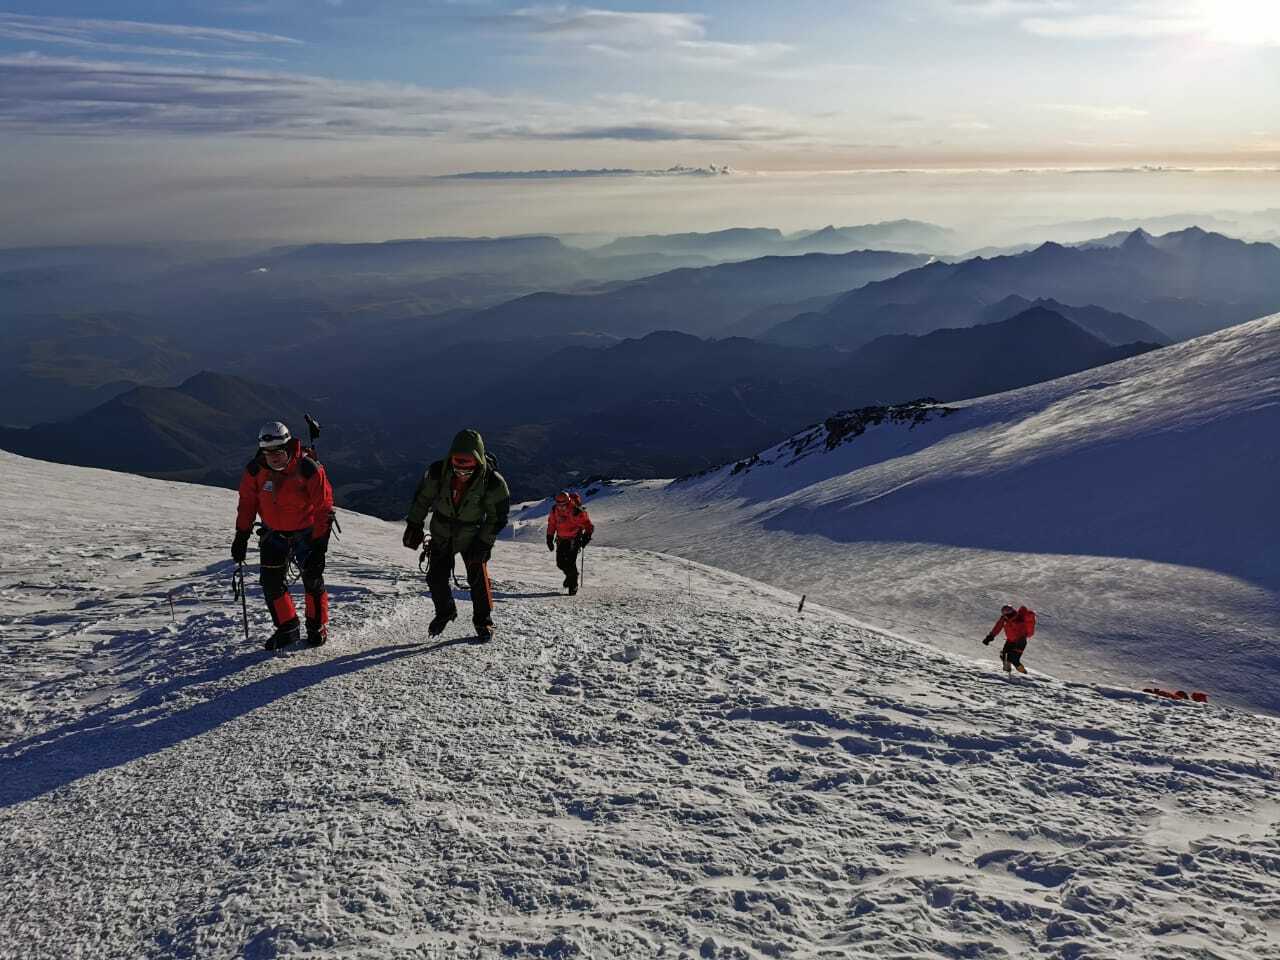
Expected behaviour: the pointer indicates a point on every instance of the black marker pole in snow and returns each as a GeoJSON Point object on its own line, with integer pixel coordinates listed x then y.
{"type": "Point", "coordinates": [800, 609]}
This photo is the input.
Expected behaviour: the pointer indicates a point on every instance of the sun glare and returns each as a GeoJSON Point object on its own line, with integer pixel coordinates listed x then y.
{"type": "Point", "coordinates": [1242, 21]}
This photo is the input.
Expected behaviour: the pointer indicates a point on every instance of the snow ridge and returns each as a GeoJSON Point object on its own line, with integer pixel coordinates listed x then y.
{"type": "Point", "coordinates": [1130, 505]}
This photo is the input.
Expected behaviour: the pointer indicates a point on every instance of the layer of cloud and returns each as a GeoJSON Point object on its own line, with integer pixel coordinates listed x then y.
{"type": "Point", "coordinates": [103, 36]}
{"type": "Point", "coordinates": [1245, 22]}
{"type": "Point", "coordinates": [71, 96]}
{"type": "Point", "coordinates": [995, 9]}
{"type": "Point", "coordinates": [1098, 112]}
{"type": "Point", "coordinates": [1113, 25]}
{"type": "Point", "coordinates": [610, 27]}
{"type": "Point", "coordinates": [675, 171]}
{"type": "Point", "coordinates": [627, 34]}
{"type": "Point", "coordinates": [403, 181]}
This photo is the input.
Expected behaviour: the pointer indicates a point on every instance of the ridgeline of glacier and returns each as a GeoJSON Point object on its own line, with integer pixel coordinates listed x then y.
{"type": "Point", "coordinates": [677, 762]}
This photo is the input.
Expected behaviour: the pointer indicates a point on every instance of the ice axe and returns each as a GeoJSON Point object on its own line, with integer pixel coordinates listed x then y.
{"type": "Point", "coordinates": [313, 430]}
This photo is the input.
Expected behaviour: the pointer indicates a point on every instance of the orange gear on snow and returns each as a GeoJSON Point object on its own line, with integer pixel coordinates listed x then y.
{"type": "Point", "coordinates": [567, 521]}
{"type": "Point", "coordinates": [1018, 626]}
{"type": "Point", "coordinates": [294, 498]}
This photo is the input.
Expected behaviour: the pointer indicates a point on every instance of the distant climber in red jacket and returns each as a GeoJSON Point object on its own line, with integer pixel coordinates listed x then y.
{"type": "Point", "coordinates": [1018, 625]}
{"type": "Point", "coordinates": [569, 529]}
{"type": "Point", "coordinates": [290, 491]}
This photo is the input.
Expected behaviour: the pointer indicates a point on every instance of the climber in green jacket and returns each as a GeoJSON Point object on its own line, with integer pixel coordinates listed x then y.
{"type": "Point", "coordinates": [468, 500]}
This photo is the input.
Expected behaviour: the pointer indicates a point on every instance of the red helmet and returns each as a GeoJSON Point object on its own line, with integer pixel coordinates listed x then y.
{"type": "Point", "coordinates": [562, 497]}
{"type": "Point", "coordinates": [1008, 610]}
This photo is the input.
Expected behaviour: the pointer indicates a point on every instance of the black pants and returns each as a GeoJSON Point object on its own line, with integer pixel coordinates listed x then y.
{"type": "Point", "coordinates": [276, 547]}
{"type": "Point", "coordinates": [1011, 652]}
{"type": "Point", "coordinates": [567, 560]}
{"type": "Point", "coordinates": [439, 572]}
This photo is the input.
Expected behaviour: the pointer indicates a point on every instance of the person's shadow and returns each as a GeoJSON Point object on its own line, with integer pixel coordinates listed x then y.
{"type": "Point", "coordinates": [59, 757]}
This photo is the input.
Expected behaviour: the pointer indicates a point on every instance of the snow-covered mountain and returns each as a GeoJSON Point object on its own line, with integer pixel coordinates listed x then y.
{"type": "Point", "coordinates": [1132, 506]}
{"type": "Point", "coordinates": [673, 763]}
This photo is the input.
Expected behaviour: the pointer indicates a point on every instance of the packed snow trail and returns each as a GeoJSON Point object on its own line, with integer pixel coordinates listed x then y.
{"type": "Point", "coordinates": [671, 763]}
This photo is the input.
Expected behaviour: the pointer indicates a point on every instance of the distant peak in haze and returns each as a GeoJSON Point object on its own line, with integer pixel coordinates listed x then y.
{"type": "Point", "coordinates": [678, 170]}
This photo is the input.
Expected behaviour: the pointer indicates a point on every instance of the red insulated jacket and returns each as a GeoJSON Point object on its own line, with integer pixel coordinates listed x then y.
{"type": "Point", "coordinates": [1017, 627]}
{"type": "Point", "coordinates": [567, 521]}
{"type": "Point", "coordinates": [295, 498]}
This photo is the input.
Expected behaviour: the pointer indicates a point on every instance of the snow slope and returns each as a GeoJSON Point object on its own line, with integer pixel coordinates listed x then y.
{"type": "Point", "coordinates": [670, 764]}
{"type": "Point", "coordinates": [1133, 506]}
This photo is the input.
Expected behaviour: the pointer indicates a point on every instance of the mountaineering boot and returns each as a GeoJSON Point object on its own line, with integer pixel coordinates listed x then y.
{"type": "Point", "coordinates": [440, 621]}
{"type": "Point", "coordinates": [1021, 668]}
{"type": "Point", "coordinates": [573, 589]}
{"type": "Point", "coordinates": [285, 634]}
{"type": "Point", "coordinates": [317, 633]}
{"type": "Point", "coordinates": [484, 632]}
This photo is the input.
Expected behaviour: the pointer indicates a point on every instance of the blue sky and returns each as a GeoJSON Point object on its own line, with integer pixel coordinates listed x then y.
{"type": "Point", "coordinates": [318, 90]}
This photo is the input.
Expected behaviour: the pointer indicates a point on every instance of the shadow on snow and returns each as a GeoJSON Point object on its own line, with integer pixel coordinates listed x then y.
{"type": "Point", "coordinates": [87, 746]}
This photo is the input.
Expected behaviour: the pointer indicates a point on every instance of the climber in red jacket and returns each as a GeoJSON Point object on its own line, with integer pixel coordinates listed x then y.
{"type": "Point", "coordinates": [1018, 624]}
{"type": "Point", "coordinates": [569, 529]}
{"type": "Point", "coordinates": [285, 486]}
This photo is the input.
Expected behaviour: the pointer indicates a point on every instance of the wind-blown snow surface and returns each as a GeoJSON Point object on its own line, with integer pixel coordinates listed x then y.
{"type": "Point", "coordinates": [1133, 506]}
{"type": "Point", "coordinates": [670, 764]}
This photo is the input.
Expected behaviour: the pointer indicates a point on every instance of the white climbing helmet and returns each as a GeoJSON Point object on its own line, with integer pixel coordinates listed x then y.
{"type": "Point", "coordinates": [273, 435]}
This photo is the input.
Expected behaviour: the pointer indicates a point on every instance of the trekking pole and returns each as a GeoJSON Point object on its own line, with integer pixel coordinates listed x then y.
{"type": "Point", "coordinates": [237, 591]}
{"type": "Point", "coordinates": [584, 565]}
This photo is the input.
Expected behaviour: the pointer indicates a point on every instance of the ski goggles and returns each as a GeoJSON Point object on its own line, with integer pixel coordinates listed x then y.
{"type": "Point", "coordinates": [463, 466]}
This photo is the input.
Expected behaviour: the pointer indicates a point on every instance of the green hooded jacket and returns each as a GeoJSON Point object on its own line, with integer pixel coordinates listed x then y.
{"type": "Point", "coordinates": [479, 515]}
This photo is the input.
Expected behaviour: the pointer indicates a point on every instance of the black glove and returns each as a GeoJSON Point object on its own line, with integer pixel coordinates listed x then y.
{"type": "Point", "coordinates": [584, 538]}
{"type": "Point", "coordinates": [551, 541]}
{"type": "Point", "coordinates": [478, 553]}
{"type": "Point", "coordinates": [989, 638]}
{"type": "Point", "coordinates": [413, 536]}
{"type": "Point", "coordinates": [240, 546]}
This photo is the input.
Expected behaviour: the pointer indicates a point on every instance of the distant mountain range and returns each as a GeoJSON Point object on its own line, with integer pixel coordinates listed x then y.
{"type": "Point", "coordinates": [909, 236]}
{"type": "Point", "coordinates": [54, 366]}
{"type": "Point", "coordinates": [205, 430]}
{"type": "Point", "coordinates": [181, 431]}
{"type": "Point", "coordinates": [646, 376]}
{"type": "Point", "coordinates": [667, 403]}
{"type": "Point", "coordinates": [90, 322]}
{"type": "Point", "coordinates": [1183, 284]}
{"type": "Point", "coordinates": [707, 301]}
